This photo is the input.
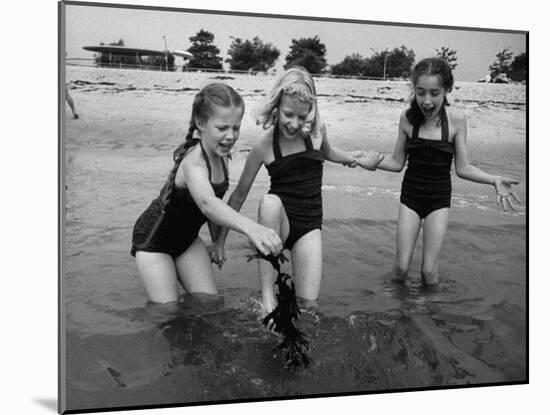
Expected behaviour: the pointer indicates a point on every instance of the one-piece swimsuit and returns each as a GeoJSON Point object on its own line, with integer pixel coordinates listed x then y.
{"type": "Point", "coordinates": [181, 223]}
{"type": "Point", "coordinates": [426, 184]}
{"type": "Point", "coordinates": [297, 179]}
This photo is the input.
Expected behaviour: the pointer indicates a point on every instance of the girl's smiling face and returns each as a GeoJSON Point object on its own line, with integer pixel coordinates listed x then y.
{"type": "Point", "coordinates": [220, 131]}
{"type": "Point", "coordinates": [293, 113]}
{"type": "Point", "coordinates": [429, 95]}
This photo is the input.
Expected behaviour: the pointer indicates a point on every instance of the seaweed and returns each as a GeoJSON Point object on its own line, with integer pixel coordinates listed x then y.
{"type": "Point", "coordinates": [281, 319]}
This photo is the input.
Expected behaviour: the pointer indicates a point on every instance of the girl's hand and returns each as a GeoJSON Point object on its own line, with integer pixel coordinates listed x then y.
{"type": "Point", "coordinates": [354, 155]}
{"type": "Point", "coordinates": [505, 195]}
{"type": "Point", "coordinates": [217, 254]}
{"type": "Point", "coordinates": [370, 160]}
{"type": "Point", "coordinates": [266, 240]}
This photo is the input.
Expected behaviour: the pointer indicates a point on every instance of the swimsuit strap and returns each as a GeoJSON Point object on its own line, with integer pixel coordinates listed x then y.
{"type": "Point", "coordinates": [207, 162]}
{"type": "Point", "coordinates": [444, 125]}
{"type": "Point", "coordinates": [276, 148]}
{"type": "Point", "coordinates": [309, 144]}
{"type": "Point", "coordinates": [416, 127]}
{"type": "Point", "coordinates": [225, 172]}
{"type": "Point", "coordinates": [224, 166]}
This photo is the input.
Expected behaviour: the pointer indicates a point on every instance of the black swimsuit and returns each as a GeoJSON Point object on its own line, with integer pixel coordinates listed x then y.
{"type": "Point", "coordinates": [427, 182]}
{"type": "Point", "coordinates": [181, 223]}
{"type": "Point", "coordinates": [297, 178]}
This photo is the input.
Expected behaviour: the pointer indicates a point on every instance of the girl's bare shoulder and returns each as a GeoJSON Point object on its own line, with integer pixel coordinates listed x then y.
{"type": "Point", "coordinates": [456, 116]}
{"type": "Point", "coordinates": [404, 120]}
{"type": "Point", "coordinates": [405, 125]}
{"type": "Point", "coordinates": [265, 141]}
{"type": "Point", "coordinates": [192, 162]}
{"type": "Point", "coordinates": [193, 159]}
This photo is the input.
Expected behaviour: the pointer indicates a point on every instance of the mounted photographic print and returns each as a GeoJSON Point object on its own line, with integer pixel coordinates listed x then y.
{"type": "Point", "coordinates": [257, 207]}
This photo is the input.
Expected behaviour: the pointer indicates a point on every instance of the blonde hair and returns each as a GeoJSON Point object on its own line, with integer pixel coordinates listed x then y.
{"type": "Point", "coordinates": [295, 82]}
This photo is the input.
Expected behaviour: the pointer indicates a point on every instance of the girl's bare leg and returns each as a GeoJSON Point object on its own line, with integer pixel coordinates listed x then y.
{"type": "Point", "coordinates": [158, 274]}
{"type": "Point", "coordinates": [307, 265]}
{"type": "Point", "coordinates": [408, 225]}
{"type": "Point", "coordinates": [271, 213]}
{"type": "Point", "coordinates": [195, 269]}
{"type": "Point", "coordinates": [435, 226]}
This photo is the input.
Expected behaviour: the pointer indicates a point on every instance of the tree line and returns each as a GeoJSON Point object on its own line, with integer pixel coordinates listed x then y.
{"type": "Point", "coordinates": [256, 55]}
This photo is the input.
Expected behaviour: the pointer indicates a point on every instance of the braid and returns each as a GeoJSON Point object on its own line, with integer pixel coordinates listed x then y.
{"type": "Point", "coordinates": [188, 143]}
{"type": "Point", "coordinates": [178, 154]}
{"type": "Point", "coordinates": [212, 94]}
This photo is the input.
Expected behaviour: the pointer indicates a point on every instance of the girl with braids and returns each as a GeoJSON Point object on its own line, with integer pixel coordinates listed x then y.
{"type": "Point", "coordinates": [165, 240]}
{"type": "Point", "coordinates": [429, 137]}
{"type": "Point", "coordinates": [293, 150]}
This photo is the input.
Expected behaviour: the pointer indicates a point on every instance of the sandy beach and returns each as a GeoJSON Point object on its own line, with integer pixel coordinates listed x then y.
{"type": "Point", "coordinates": [116, 158]}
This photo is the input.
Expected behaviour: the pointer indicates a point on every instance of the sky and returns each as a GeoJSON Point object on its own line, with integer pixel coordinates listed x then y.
{"type": "Point", "coordinates": [476, 49]}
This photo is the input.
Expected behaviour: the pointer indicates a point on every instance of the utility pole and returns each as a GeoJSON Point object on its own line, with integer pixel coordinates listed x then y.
{"type": "Point", "coordinates": [165, 52]}
{"type": "Point", "coordinates": [385, 59]}
{"type": "Point", "coordinates": [385, 52]}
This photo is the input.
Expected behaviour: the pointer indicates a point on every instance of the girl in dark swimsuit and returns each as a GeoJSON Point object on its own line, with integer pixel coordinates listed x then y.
{"type": "Point", "coordinates": [293, 150]}
{"type": "Point", "coordinates": [165, 240]}
{"type": "Point", "coordinates": [429, 137]}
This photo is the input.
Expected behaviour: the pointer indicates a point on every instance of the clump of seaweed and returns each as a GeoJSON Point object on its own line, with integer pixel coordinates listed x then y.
{"type": "Point", "coordinates": [281, 319]}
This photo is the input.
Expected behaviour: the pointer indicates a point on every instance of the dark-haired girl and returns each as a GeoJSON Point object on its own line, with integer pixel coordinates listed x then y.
{"type": "Point", "coordinates": [430, 136]}
{"type": "Point", "coordinates": [165, 240]}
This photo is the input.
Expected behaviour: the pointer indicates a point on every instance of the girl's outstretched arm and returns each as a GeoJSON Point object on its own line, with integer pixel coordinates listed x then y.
{"type": "Point", "coordinates": [396, 161]}
{"type": "Point", "coordinates": [238, 196]}
{"type": "Point", "coordinates": [196, 178]}
{"type": "Point", "coordinates": [335, 154]}
{"type": "Point", "coordinates": [503, 185]}
{"type": "Point", "coordinates": [216, 253]}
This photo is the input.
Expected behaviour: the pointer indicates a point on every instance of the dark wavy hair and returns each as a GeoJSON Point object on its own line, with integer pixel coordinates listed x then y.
{"type": "Point", "coordinates": [429, 66]}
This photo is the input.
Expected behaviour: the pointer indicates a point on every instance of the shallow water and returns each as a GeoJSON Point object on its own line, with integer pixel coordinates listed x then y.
{"type": "Point", "coordinates": [366, 333]}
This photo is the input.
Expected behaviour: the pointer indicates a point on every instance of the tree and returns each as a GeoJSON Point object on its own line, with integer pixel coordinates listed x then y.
{"type": "Point", "coordinates": [503, 63]}
{"type": "Point", "coordinates": [205, 53]}
{"type": "Point", "coordinates": [119, 43]}
{"type": "Point", "coordinates": [518, 68]}
{"type": "Point", "coordinates": [352, 65]}
{"type": "Point", "coordinates": [309, 53]}
{"type": "Point", "coordinates": [397, 63]}
{"type": "Point", "coordinates": [255, 55]}
{"type": "Point", "coordinates": [400, 62]}
{"type": "Point", "coordinates": [447, 55]}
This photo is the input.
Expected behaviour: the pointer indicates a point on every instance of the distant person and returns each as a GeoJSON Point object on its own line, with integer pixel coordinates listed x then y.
{"type": "Point", "coordinates": [71, 103]}
{"type": "Point", "coordinates": [165, 239]}
{"type": "Point", "coordinates": [429, 137]}
{"type": "Point", "coordinates": [293, 150]}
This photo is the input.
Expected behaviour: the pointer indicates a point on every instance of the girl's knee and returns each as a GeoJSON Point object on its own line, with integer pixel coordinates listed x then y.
{"type": "Point", "coordinates": [400, 270]}
{"type": "Point", "coordinates": [429, 275]}
{"type": "Point", "coordinates": [269, 208]}
{"type": "Point", "coordinates": [401, 265]}
{"type": "Point", "coordinates": [166, 299]}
